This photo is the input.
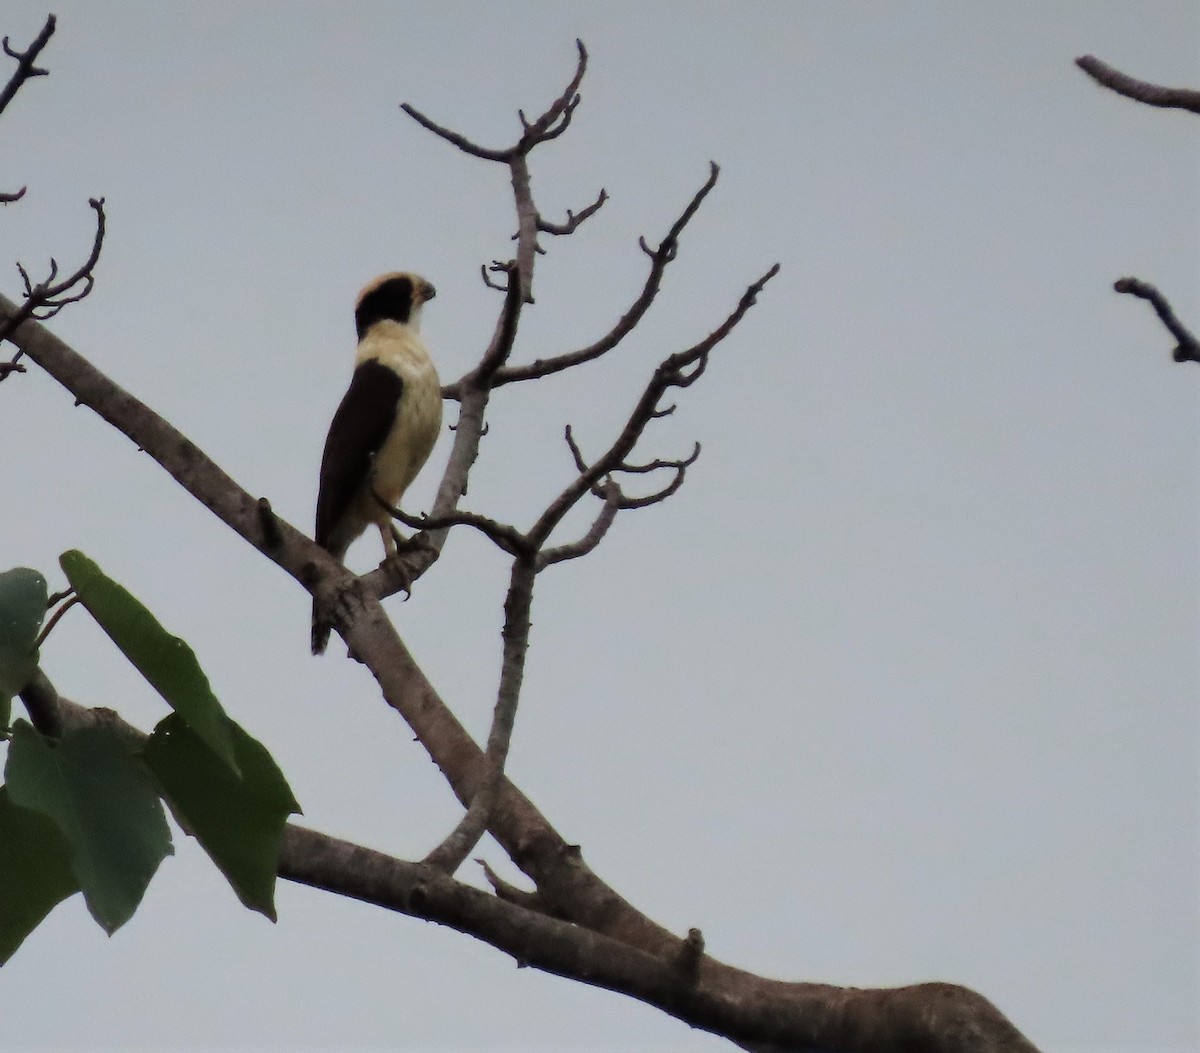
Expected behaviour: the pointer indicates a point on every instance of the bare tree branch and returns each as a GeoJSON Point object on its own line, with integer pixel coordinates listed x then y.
{"type": "Point", "coordinates": [181, 458]}
{"type": "Point", "coordinates": [1188, 348]}
{"type": "Point", "coordinates": [473, 390]}
{"type": "Point", "coordinates": [601, 938]}
{"type": "Point", "coordinates": [24, 71]}
{"type": "Point", "coordinates": [549, 125]}
{"type": "Point", "coordinates": [557, 870]}
{"type": "Point", "coordinates": [659, 258]}
{"type": "Point", "coordinates": [573, 219]}
{"type": "Point", "coordinates": [527, 224]}
{"type": "Point", "coordinates": [678, 370]}
{"type": "Point", "coordinates": [25, 63]}
{"type": "Point", "coordinates": [461, 141]}
{"type": "Point", "coordinates": [573, 550]}
{"type": "Point", "coordinates": [454, 849]}
{"type": "Point", "coordinates": [555, 120]}
{"type": "Point", "coordinates": [48, 297]}
{"type": "Point", "coordinates": [1139, 90]}
{"type": "Point", "coordinates": [506, 537]}
{"type": "Point", "coordinates": [506, 328]}
{"type": "Point", "coordinates": [528, 561]}
{"type": "Point", "coordinates": [682, 981]}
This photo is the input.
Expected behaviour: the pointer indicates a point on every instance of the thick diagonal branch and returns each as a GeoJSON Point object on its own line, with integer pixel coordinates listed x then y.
{"type": "Point", "coordinates": [523, 832]}
{"type": "Point", "coordinates": [685, 983]}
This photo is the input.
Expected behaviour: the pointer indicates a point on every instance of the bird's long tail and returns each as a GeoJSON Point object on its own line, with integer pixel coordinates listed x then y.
{"type": "Point", "coordinates": [321, 628]}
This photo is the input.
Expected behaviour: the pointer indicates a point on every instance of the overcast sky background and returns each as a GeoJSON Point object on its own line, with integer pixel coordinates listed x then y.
{"type": "Point", "coordinates": [901, 686]}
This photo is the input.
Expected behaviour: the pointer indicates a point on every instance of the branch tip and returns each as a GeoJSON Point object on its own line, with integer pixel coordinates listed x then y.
{"type": "Point", "coordinates": [1188, 348]}
{"type": "Point", "coordinates": [1139, 90]}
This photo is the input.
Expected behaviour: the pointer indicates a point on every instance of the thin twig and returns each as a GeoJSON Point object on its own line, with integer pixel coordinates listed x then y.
{"type": "Point", "coordinates": [549, 125]}
{"type": "Point", "coordinates": [659, 259]}
{"type": "Point", "coordinates": [657, 463]}
{"type": "Point", "coordinates": [507, 537]}
{"type": "Point", "coordinates": [678, 370]}
{"type": "Point", "coordinates": [574, 219]}
{"type": "Point", "coordinates": [1188, 348]}
{"type": "Point", "coordinates": [454, 138]}
{"type": "Point", "coordinates": [595, 534]}
{"type": "Point", "coordinates": [47, 298]}
{"type": "Point", "coordinates": [555, 120]}
{"type": "Point", "coordinates": [1139, 90]}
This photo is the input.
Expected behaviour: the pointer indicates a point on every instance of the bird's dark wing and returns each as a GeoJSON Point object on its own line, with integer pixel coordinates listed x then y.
{"type": "Point", "coordinates": [360, 425]}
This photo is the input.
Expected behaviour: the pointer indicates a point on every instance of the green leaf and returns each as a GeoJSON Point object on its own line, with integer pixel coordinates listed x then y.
{"type": "Point", "coordinates": [22, 608]}
{"type": "Point", "coordinates": [237, 820]}
{"type": "Point", "coordinates": [99, 795]}
{"type": "Point", "coordinates": [165, 660]}
{"type": "Point", "coordinates": [35, 872]}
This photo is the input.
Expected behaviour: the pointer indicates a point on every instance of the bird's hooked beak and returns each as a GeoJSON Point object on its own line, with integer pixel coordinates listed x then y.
{"type": "Point", "coordinates": [428, 292]}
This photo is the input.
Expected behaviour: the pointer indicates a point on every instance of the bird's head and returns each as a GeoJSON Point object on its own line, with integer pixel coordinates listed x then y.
{"type": "Point", "coordinates": [395, 297]}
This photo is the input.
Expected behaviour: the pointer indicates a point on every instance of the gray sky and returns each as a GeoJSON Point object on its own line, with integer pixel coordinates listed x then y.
{"type": "Point", "coordinates": [902, 685]}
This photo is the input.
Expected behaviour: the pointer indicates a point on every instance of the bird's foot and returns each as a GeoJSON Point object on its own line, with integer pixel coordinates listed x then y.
{"type": "Point", "coordinates": [397, 561]}
{"type": "Point", "coordinates": [334, 610]}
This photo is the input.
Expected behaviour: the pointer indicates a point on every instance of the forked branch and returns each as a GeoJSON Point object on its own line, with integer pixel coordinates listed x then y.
{"type": "Point", "coordinates": [46, 298]}
{"type": "Point", "coordinates": [659, 258]}
{"type": "Point", "coordinates": [679, 370]}
{"type": "Point", "coordinates": [574, 219]}
{"type": "Point", "coordinates": [25, 63]}
{"type": "Point", "coordinates": [551, 124]}
{"type": "Point", "coordinates": [530, 555]}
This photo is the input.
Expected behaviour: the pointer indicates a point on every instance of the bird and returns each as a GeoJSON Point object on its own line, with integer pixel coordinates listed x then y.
{"type": "Point", "coordinates": [385, 427]}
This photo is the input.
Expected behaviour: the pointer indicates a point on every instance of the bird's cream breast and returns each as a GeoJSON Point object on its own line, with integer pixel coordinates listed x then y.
{"type": "Point", "coordinates": [418, 416]}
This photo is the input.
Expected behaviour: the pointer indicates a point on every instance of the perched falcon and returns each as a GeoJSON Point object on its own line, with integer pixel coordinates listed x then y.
{"type": "Point", "coordinates": [386, 425]}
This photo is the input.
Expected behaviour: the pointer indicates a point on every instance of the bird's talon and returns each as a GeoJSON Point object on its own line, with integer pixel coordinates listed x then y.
{"type": "Point", "coordinates": [397, 565]}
